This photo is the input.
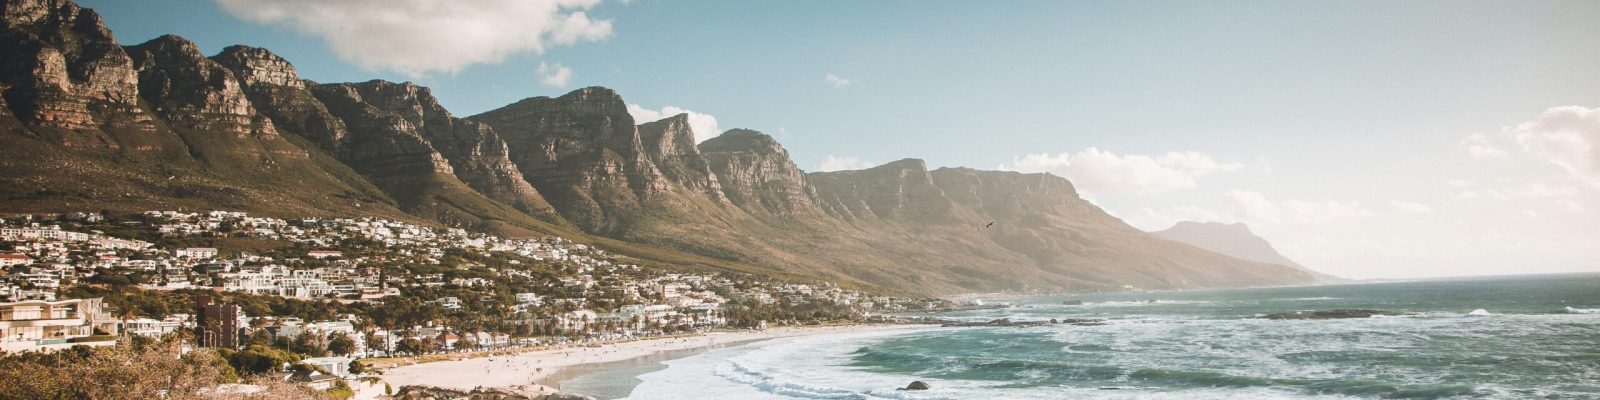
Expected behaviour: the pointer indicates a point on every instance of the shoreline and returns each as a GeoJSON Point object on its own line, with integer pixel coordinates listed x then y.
{"type": "Point", "coordinates": [616, 379]}
{"type": "Point", "coordinates": [539, 372]}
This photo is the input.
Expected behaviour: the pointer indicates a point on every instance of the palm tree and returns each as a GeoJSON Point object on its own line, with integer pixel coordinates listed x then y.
{"type": "Point", "coordinates": [126, 314]}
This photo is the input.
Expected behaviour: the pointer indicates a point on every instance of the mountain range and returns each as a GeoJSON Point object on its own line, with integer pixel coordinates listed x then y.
{"type": "Point", "coordinates": [89, 124]}
{"type": "Point", "coordinates": [1234, 240]}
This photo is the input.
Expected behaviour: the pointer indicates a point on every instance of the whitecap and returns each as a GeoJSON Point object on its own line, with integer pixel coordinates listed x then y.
{"type": "Point", "coordinates": [1479, 312]}
{"type": "Point", "coordinates": [1571, 310]}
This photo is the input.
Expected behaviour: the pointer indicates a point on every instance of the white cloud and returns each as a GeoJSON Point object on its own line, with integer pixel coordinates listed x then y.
{"type": "Point", "coordinates": [554, 75]}
{"type": "Point", "coordinates": [1572, 206]}
{"type": "Point", "coordinates": [1254, 207]}
{"type": "Point", "coordinates": [1323, 212]}
{"type": "Point", "coordinates": [1568, 137]}
{"type": "Point", "coordinates": [1262, 166]}
{"type": "Point", "coordinates": [416, 37]}
{"type": "Point", "coordinates": [1481, 147]}
{"type": "Point", "coordinates": [1530, 191]}
{"type": "Point", "coordinates": [835, 80]}
{"type": "Point", "coordinates": [833, 163]}
{"type": "Point", "coordinates": [1411, 208]}
{"type": "Point", "coordinates": [1459, 183]}
{"type": "Point", "coordinates": [704, 125]}
{"type": "Point", "coordinates": [1093, 170]}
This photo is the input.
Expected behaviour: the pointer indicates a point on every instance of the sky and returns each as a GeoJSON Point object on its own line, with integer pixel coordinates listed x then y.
{"type": "Point", "coordinates": [1366, 139]}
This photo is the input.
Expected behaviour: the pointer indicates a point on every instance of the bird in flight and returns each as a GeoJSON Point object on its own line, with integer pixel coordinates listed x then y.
{"type": "Point", "coordinates": [990, 225]}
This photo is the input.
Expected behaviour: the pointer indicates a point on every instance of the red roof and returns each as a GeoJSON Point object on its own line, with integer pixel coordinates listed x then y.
{"type": "Point", "coordinates": [15, 256]}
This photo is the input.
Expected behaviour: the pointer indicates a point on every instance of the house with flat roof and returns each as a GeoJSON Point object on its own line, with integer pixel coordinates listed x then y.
{"type": "Point", "coordinates": [43, 325]}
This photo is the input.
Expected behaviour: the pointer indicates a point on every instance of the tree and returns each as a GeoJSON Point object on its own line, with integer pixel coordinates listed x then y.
{"type": "Point", "coordinates": [466, 343]}
{"type": "Point", "coordinates": [126, 314]}
{"type": "Point", "coordinates": [341, 344]}
{"type": "Point", "coordinates": [308, 343]}
{"type": "Point", "coordinates": [119, 372]}
{"type": "Point", "coordinates": [258, 359]}
{"type": "Point", "coordinates": [412, 346]}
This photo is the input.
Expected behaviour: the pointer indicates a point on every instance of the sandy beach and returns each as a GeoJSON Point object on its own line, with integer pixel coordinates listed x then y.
{"type": "Point", "coordinates": [531, 371]}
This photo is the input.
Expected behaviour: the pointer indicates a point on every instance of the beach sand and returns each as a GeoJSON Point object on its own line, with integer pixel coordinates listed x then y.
{"type": "Point", "coordinates": [535, 372]}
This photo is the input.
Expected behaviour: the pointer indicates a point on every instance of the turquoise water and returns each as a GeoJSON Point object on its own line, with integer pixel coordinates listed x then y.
{"type": "Point", "coordinates": [1537, 337]}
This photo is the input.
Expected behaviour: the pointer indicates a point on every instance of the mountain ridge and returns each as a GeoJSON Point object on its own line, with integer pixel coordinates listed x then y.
{"type": "Point", "coordinates": [241, 129]}
{"type": "Point", "coordinates": [1236, 240]}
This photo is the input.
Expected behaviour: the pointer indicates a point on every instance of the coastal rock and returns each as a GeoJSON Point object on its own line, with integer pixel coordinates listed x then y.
{"type": "Point", "coordinates": [917, 385]}
{"type": "Point", "coordinates": [1329, 314]}
{"type": "Point", "coordinates": [1072, 303]}
{"type": "Point", "coordinates": [1007, 322]}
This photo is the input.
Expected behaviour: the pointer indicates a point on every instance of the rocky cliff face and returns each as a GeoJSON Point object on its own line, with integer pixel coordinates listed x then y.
{"type": "Point", "coordinates": [93, 125]}
{"type": "Point", "coordinates": [669, 144]}
{"type": "Point", "coordinates": [382, 144]}
{"type": "Point", "coordinates": [64, 75]}
{"type": "Point", "coordinates": [581, 151]}
{"type": "Point", "coordinates": [204, 101]}
{"type": "Point", "coordinates": [276, 90]}
{"type": "Point", "coordinates": [900, 190]}
{"type": "Point", "coordinates": [476, 154]}
{"type": "Point", "coordinates": [757, 174]}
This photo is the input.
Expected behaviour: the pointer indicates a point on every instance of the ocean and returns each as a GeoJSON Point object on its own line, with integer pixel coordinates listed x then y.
{"type": "Point", "coordinates": [1501, 337]}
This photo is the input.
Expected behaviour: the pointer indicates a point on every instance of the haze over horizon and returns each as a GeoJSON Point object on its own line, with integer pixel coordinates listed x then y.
{"type": "Point", "coordinates": [1363, 139]}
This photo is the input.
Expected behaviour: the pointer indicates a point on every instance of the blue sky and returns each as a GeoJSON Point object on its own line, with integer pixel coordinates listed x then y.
{"type": "Point", "coordinates": [1327, 126]}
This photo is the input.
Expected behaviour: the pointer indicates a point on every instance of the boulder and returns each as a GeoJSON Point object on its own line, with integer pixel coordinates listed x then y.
{"type": "Point", "coordinates": [917, 385]}
{"type": "Point", "coordinates": [1329, 314]}
{"type": "Point", "coordinates": [1072, 303]}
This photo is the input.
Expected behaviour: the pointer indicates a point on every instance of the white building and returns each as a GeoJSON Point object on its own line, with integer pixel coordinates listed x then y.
{"type": "Point", "coordinates": [196, 253]}
{"type": "Point", "coordinates": [34, 325]}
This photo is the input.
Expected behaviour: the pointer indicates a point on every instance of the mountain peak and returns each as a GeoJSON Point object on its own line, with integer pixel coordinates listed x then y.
{"type": "Point", "coordinates": [1234, 240]}
{"type": "Point", "coordinates": [36, 15]}
{"type": "Point", "coordinates": [741, 139]}
{"type": "Point", "coordinates": [592, 93]}
{"type": "Point", "coordinates": [165, 49]}
{"type": "Point", "coordinates": [255, 65]}
{"type": "Point", "coordinates": [914, 164]}
{"type": "Point", "coordinates": [593, 100]}
{"type": "Point", "coordinates": [1238, 227]}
